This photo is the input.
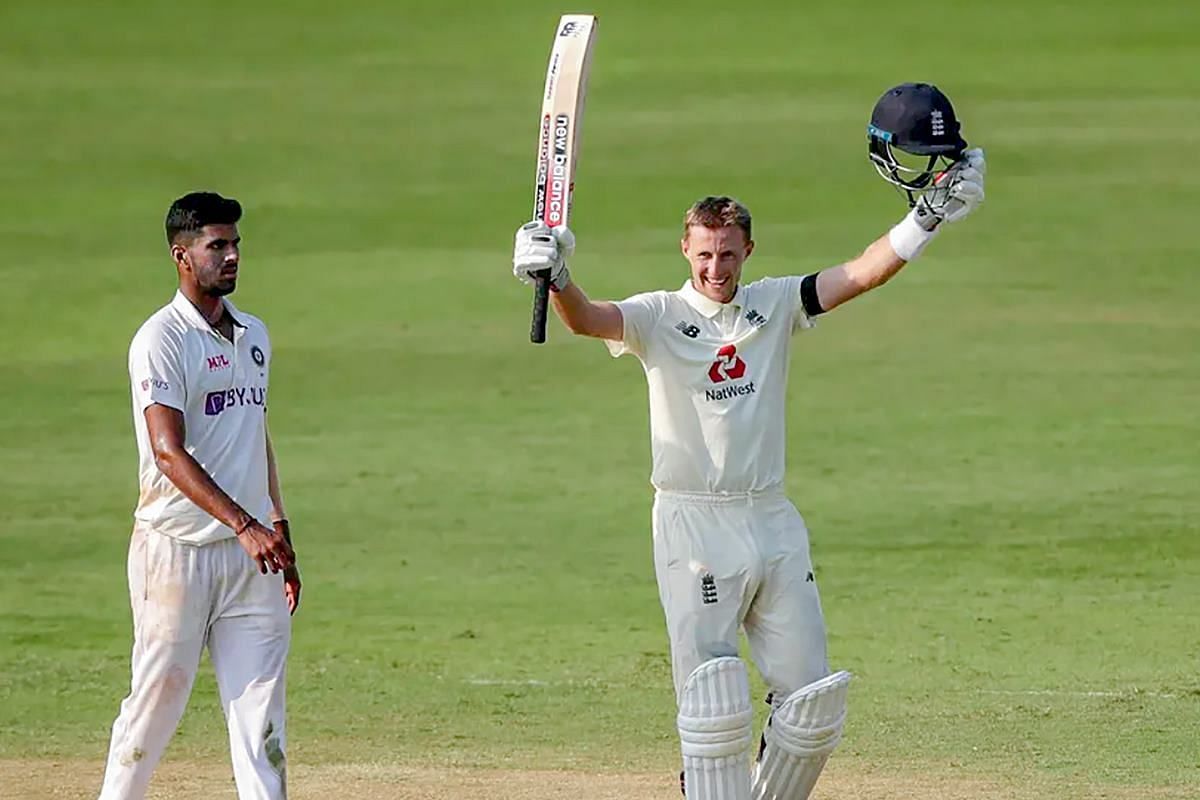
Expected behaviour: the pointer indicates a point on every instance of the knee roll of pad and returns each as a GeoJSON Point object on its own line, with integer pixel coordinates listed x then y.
{"type": "Point", "coordinates": [799, 737]}
{"type": "Point", "coordinates": [715, 730]}
{"type": "Point", "coordinates": [810, 721]}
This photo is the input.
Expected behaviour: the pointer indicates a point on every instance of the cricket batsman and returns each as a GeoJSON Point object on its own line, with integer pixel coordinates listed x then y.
{"type": "Point", "coordinates": [730, 549]}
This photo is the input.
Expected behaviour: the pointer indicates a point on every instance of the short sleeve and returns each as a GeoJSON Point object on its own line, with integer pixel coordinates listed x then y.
{"type": "Point", "coordinates": [794, 301]}
{"type": "Point", "coordinates": [156, 368]}
{"type": "Point", "coordinates": [640, 314]}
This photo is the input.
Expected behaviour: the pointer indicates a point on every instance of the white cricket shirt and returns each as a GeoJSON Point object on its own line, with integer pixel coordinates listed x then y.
{"type": "Point", "coordinates": [179, 360]}
{"type": "Point", "coordinates": [717, 375]}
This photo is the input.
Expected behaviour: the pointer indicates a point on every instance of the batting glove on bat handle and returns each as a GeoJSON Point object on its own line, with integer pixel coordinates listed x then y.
{"type": "Point", "coordinates": [538, 248]}
{"type": "Point", "coordinates": [539, 255]}
{"type": "Point", "coordinates": [565, 240]}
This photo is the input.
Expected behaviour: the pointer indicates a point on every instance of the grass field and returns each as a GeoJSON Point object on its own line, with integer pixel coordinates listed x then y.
{"type": "Point", "coordinates": [996, 454]}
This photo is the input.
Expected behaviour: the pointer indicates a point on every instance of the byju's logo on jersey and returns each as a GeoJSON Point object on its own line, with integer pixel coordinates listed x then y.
{"type": "Point", "coordinates": [217, 402]}
{"type": "Point", "coordinates": [728, 366]}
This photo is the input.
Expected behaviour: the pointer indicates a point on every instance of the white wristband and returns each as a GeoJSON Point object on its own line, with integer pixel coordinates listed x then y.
{"type": "Point", "coordinates": [908, 238]}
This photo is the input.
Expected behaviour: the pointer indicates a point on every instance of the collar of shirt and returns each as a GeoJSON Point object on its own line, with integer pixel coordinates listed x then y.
{"type": "Point", "coordinates": [193, 315]}
{"type": "Point", "coordinates": [709, 308]}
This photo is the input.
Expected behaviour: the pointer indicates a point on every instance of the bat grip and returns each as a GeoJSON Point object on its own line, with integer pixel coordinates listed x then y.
{"type": "Point", "coordinates": [541, 299]}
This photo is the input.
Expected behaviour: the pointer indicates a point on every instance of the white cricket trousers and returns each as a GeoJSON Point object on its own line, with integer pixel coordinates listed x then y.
{"type": "Point", "coordinates": [185, 597]}
{"type": "Point", "coordinates": [730, 561]}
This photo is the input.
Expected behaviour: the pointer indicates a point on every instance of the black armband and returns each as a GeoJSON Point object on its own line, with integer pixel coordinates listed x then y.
{"type": "Point", "coordinates": [808, 295]}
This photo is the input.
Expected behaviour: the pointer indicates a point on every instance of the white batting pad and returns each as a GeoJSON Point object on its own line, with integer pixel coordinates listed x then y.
{"type": "Point", "coordinates": [800, 735]}
{"type": "Point", "coordinates": [715, 729]}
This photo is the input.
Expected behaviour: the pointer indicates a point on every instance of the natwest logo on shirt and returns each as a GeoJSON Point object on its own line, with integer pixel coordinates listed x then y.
{"type": "Point", "coordinates": [217, 362]}
{"type": "Point", "coordinates": [217, 402]}
{"type": "Point", "coordinates": [728, 366]}
{"type": "Point", "coordinates": [730, 392]}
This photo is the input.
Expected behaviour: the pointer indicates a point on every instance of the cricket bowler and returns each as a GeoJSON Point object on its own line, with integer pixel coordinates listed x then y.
{"type": "Point", "coordinates": [730, 549]}
{"type": "Point", "coordinates": [210, 559]}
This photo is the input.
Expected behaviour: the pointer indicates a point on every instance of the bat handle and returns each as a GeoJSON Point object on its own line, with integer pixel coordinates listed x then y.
{"type": "Point", "coordinates": [541, 299]}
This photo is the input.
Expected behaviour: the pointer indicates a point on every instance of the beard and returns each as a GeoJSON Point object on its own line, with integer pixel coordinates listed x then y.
{"type": "Point", "coordinates": [220, 287]}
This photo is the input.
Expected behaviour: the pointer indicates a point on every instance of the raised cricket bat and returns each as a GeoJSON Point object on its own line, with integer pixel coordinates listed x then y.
{"type": "Point", "coordinates": [558, 139]}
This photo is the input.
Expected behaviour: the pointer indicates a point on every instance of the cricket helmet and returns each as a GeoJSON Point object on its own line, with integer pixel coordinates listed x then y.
{"type": "Point", "coordinates": [913, 137]}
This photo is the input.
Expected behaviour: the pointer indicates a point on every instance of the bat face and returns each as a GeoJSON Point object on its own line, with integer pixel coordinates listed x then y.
{"type": "Point", "coordinates": [562, 113]}
{"type": "Point", "coordinates": [558, 139]}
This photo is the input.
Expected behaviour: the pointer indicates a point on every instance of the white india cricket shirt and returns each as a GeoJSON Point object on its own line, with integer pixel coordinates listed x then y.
{"type": "Point", "coordinates": [717, 375]}
{"type": "Point", "coordinates": [179, 360]}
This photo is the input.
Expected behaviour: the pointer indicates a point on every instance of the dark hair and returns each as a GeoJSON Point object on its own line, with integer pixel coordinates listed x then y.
{"type": "Point", "coordinates": [193, 211]}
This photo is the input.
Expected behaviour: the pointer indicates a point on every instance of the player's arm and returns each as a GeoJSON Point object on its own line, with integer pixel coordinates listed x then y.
{"type": "Point", "coordinates": [165, 426]}
{"type": "Point", "coordinates": [585, 317]}
{"type": "Point", "coordinates": [842, 283]}
{"type": "Point", "coordinates": [277, 511]}
{"type": "Point", "coordinates": [537, 247]}
{"type": "Point", "coordinates": [888, 254]}
{"type": "Point", "coordinates": [279, 521]}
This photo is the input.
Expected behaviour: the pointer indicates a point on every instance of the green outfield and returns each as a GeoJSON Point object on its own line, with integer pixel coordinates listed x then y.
{"type": "Point", "coordinates": [996, 453]}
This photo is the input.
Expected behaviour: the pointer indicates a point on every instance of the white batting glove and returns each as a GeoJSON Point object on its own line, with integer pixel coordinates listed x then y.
{"type": "Point", "coordinates": [538, 247]}
{"type": "Point", "coordinates": [958, 192]}
{"type": "Point", "coordinates": [566, 241]}
{"type": "Point", "coordinates": [966, 191]}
